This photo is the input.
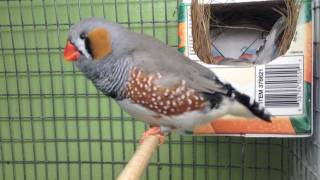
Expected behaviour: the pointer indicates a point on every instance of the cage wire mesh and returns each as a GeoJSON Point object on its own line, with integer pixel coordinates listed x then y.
{"type": "Point", "coordinates": [55, 125]}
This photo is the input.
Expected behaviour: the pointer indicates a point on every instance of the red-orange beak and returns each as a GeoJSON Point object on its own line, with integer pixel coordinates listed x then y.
{"type": "Point", "coordinates": [70, 52]}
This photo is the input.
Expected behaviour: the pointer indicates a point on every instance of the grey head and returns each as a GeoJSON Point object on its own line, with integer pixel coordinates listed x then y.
{"type": "Point", "coordinates": [95, 39]}
{"type": "Point", "coordinates": [96, 46]}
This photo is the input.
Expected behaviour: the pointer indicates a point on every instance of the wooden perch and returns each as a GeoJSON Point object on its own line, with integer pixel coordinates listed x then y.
{"type": "Point", "coordinates": [139, 161]}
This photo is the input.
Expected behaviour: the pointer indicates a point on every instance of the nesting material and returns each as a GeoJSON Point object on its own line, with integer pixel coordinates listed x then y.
{"type": "Point", "coordinates": [242, 32]}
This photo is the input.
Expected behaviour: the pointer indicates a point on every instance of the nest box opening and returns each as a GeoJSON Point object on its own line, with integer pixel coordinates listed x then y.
{"type": "Point", "coordinates": [243, 33]}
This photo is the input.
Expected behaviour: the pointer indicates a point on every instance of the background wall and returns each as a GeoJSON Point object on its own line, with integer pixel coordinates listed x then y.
{"type": "Point", "coordinates": [55, 125]}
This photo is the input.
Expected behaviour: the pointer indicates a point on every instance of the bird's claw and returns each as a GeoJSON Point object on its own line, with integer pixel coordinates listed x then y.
{"type": "Point", "coordinates": [154, 131]}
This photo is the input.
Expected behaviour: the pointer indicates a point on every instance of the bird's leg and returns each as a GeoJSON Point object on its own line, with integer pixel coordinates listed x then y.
{"type": "Point", "coordinates": [159, 131]}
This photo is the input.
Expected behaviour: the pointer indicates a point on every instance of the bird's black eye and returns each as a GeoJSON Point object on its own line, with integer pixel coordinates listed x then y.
{"type": "Point", "coordinates": [83, 36]}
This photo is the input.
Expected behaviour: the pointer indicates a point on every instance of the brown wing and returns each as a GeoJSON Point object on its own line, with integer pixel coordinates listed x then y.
{"type": "Point", "coordinates": [155, 92]}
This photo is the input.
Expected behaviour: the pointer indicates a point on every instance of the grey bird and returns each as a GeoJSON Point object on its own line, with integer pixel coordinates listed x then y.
{"type": "Point", "coordinates": [270, 50]}
{"type": "Point", "coordinates": [152, 81]}
{"type": "Point", "coordinates": [267, 52]}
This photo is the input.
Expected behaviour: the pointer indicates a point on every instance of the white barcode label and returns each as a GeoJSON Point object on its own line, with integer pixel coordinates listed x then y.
{"type": "Point", "coordinates": [279, 85]}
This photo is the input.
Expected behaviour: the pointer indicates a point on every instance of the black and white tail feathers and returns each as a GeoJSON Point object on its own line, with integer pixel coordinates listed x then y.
{"type": "Point", "coordinates": [253, 106]}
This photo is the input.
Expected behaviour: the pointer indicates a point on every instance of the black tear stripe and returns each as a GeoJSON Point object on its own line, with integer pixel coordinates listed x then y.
{"type": "Point", "coordinates": [245, 100]}
{"type": "Point", "coordinates": [88, 46]}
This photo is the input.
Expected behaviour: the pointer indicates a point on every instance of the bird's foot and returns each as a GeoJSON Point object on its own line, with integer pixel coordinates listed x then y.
{"type": "Point", "coordinates": [153, 131]}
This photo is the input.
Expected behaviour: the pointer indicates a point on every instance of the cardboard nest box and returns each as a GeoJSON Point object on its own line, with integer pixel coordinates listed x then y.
{"type": "Point", "coordinates": [264, 49]}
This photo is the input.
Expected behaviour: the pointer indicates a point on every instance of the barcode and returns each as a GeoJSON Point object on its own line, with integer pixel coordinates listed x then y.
{"type": "Point", "coordinates": [280, 85]}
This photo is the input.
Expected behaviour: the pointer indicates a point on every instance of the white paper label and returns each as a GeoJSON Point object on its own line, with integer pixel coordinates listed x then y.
{"type": "Point", "coordinates": [279, 85]}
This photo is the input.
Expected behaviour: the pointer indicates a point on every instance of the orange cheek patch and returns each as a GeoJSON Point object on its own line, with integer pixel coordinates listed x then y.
{"type": "Point", "coordinates": [100, 43]}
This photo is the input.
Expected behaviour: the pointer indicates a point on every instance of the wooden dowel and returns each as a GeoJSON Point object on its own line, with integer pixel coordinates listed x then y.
{"type": "Point", "coordinates": [139, 161]}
